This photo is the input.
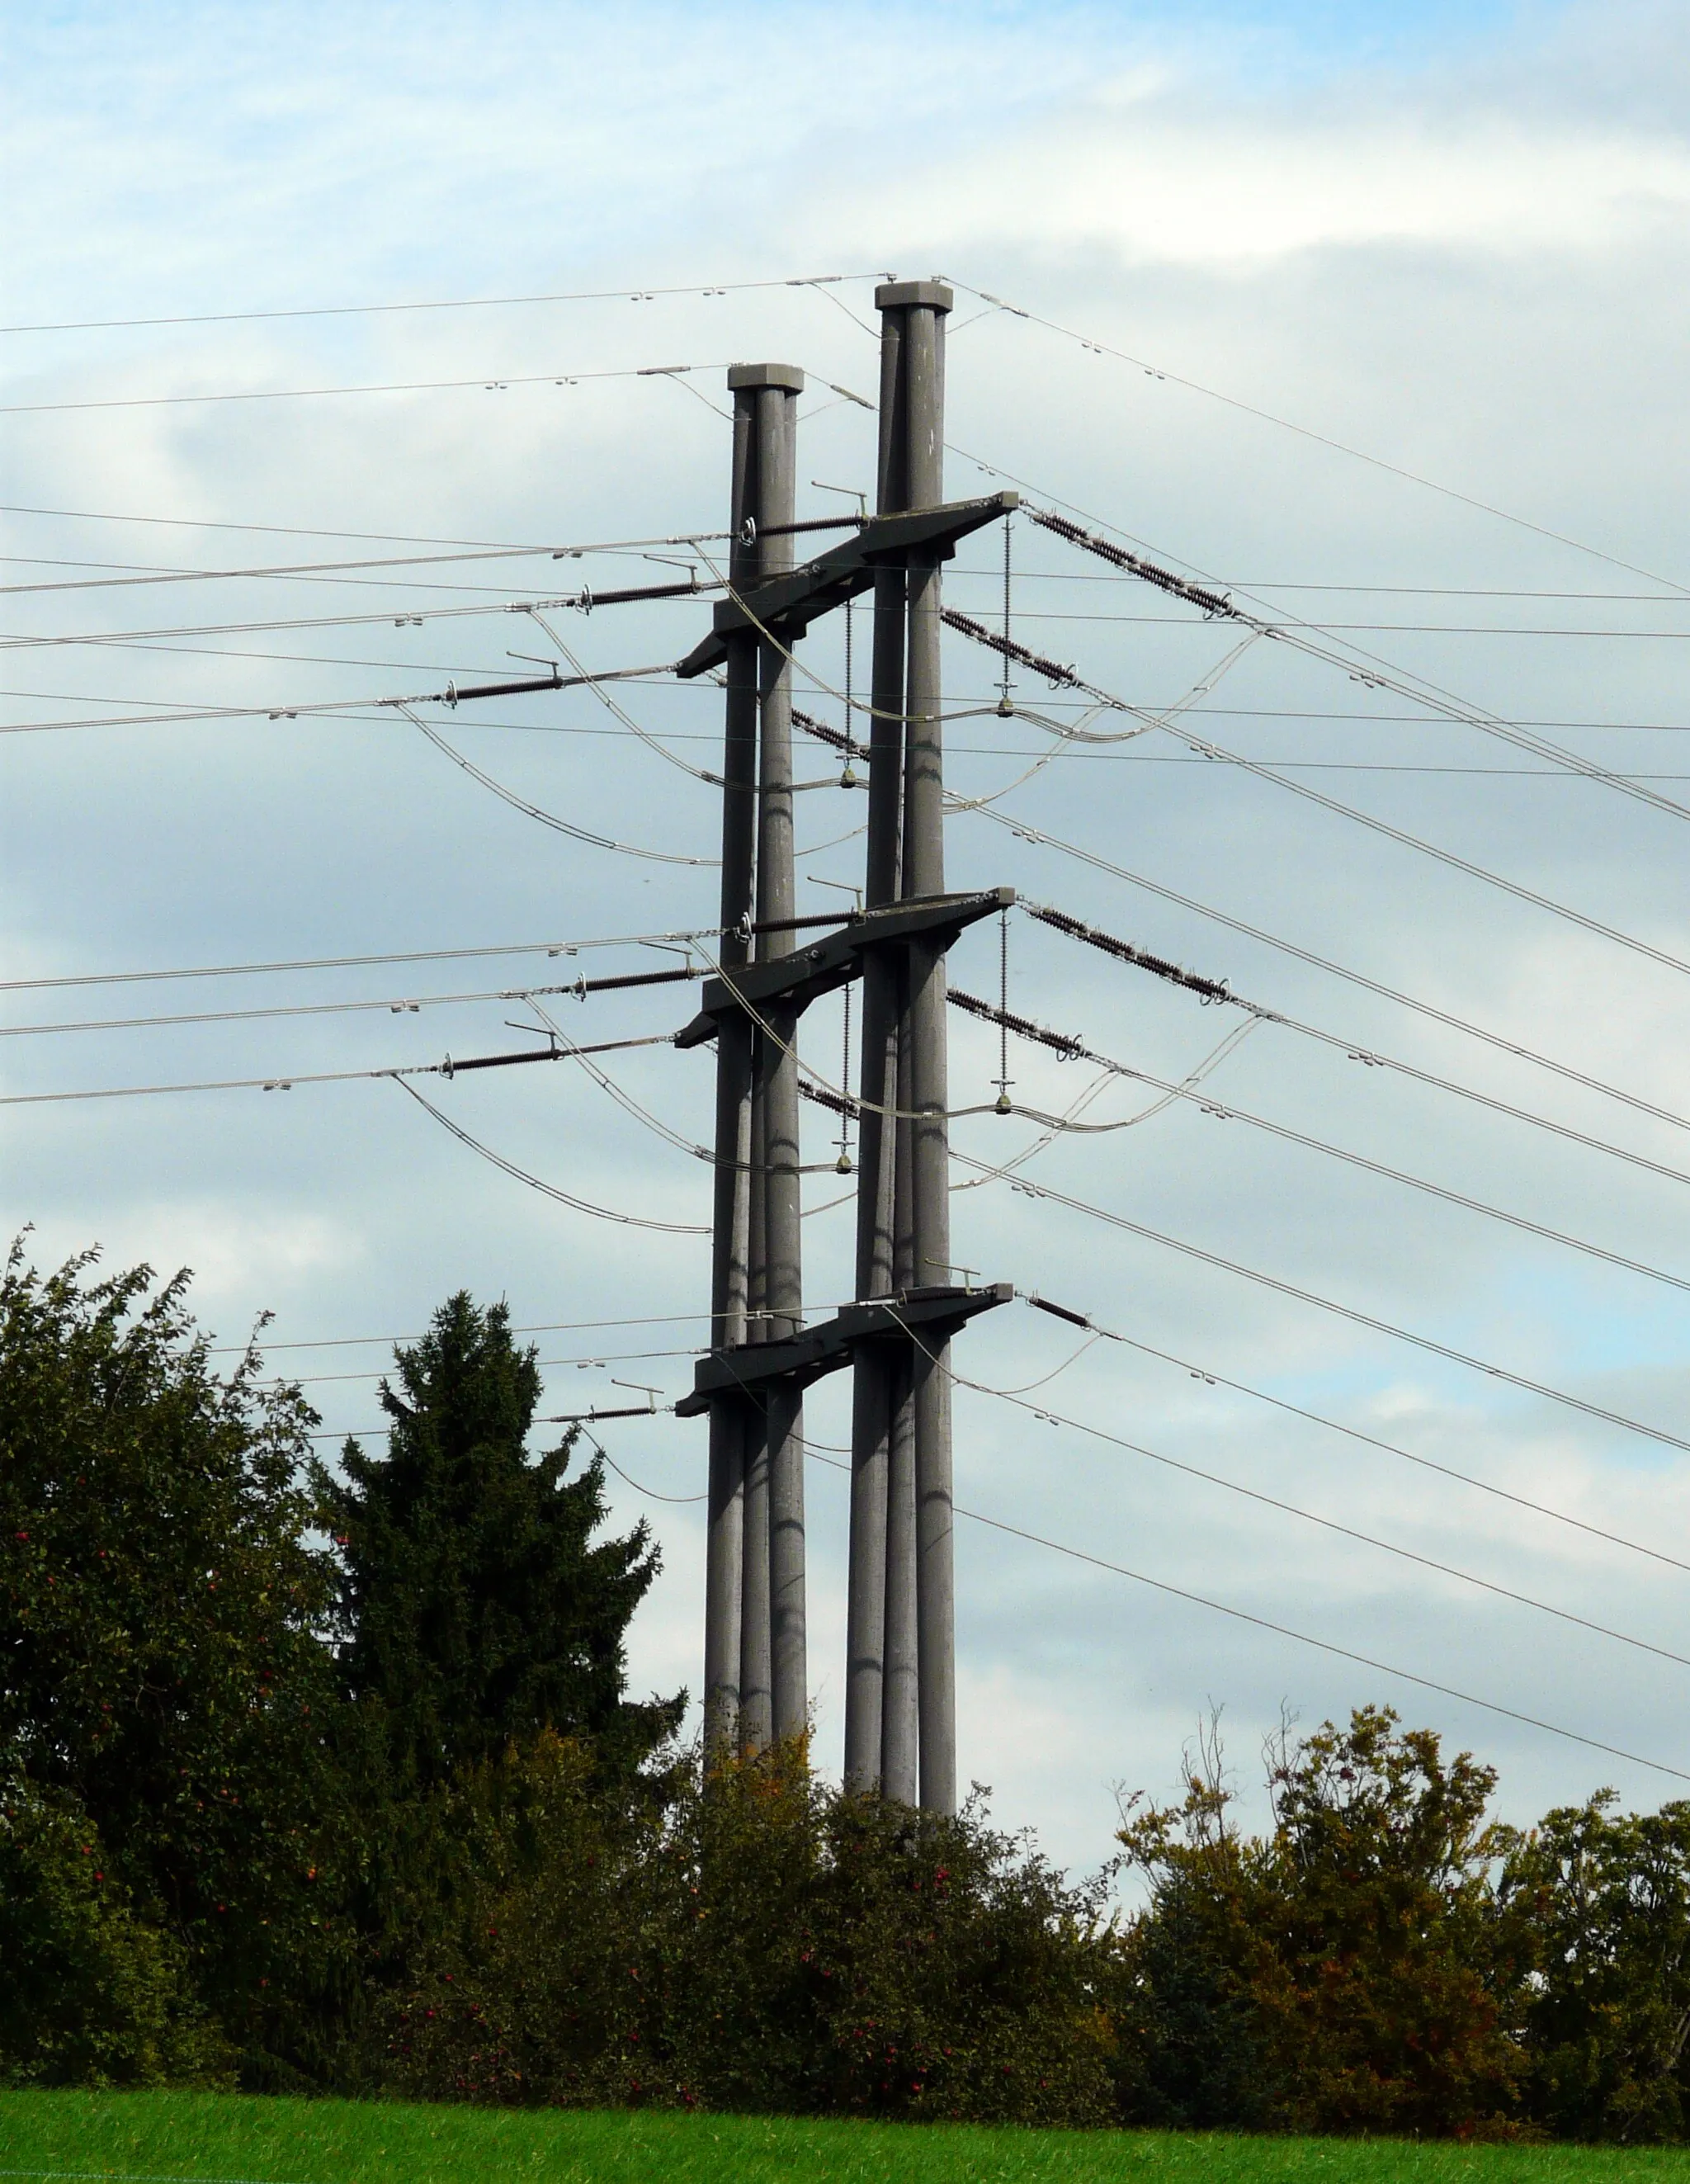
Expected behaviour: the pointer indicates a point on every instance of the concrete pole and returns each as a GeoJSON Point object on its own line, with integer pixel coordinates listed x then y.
{"type": "Point", "coordinates": [900, 1716]}
{"type": "Point", "coordinates": [764, 396]}
{"type": "Point", "coordinates": [756, 1705]}
{"type": "Point", "coordinates": [776, 1074]}
{"type": "Point", "coordinates": [874, 1376]}
{"type": "Point", "coordinates": [924, 304]}
{"type": "Point", "coordinates": [899, 1732]}
{"type": "Point", "coordinates": [723, 1562]}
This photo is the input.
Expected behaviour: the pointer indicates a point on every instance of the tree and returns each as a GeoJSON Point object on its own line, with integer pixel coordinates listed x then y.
{"type": "Point", "coordinates": [1193, 2051]}
{"type": "Point", "coordinates": [1350, 1970]}
{"type": "Point", "coordinates": [477, 1606]}
{"type": "Point", "coordinates": [1600, 1905]}
{"type": "Point", "coordinates": [164, 1685]}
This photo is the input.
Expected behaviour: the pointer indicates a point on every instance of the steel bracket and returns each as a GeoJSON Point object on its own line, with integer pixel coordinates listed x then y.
{"type": "Point", "coordinates": [786, 606]}
{"type": "Point", "coordinates": [808, 972]}
{"type": "Point", "coordinates": [753, 1368]}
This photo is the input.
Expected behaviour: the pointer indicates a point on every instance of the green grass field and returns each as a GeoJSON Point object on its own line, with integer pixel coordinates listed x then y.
{"type": "Point", "coordinates": [224, 2139]}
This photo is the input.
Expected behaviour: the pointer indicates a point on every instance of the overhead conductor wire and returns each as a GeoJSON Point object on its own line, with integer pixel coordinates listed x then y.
{"type": "Point", "coordinates": [536, 811]}
{"type": "Point", "coordinates": [1072, 1049]}
{"type": "Point", "coordinates": [1213, 1379]}
{"type": "Point", "coordinates": [1263, 1623]}
{"type": "Point", "coordinates": [1024, 830]}
{"type": "Point", "coordinates": [819, 282]}
{"type": "Point", "coordinates": [1398, 834]}
{"type": "Point", "coordinates": [1321, 439]}
{"type": "Point", "coordinates": [1350, 1313]}
{"type": "Point", "coordinates": [549, 1189]}
{"type": "Point", "coordinates": [1354, 1049]}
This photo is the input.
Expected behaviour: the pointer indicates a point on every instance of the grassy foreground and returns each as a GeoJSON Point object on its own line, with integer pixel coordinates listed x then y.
{"type": "Point", "coordinates": [199, 2138]}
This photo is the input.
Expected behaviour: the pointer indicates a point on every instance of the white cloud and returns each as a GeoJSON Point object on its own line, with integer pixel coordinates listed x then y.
{"type": "Point", "coordinates": [1233, 190]}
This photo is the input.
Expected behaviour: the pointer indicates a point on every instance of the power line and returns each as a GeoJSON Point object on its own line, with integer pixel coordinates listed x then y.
{"type": "Point", "coordinates": [539, 1327]}
{"type": "Point", "coordinates": [1523, 893]}
{"type": "Point", "coordinates": [273, 530]}
{"type": "Point", "coordinates": [1388, 591]}
{"type": "Point", "coordinates": [1359, 665]}
{"type": "Point", "coordinates": [1026, 833]}
{"type": "Point", "coordinates": [447, 303]}
{"type": "Point", "coordinates": [1340, 1311]}
{"type": "Point", "coordinates": [1341, 766]}
{"type": "Point", "coordinates": [1364, 666]}
{"type": "Point", "coordinates": [1213, 1379]}
{"type": "Point", "coordinates": [551, 1190]}
{"type": "Point", "coordinates": [357, 710]}
{"type": "Point", "coordinates": [279, 1083]}
{"type": "Point", "coordinates": [1307, 713]}
{"type": "Point", "coordinates": [1033, 576]}
{"type": "Point", "coordinates": [653, 677]}
{"type": "Point", "coordinates": [1323, 439]}
{"type": "Point", "coordinates": [650, 1492]}
{"type": "Point", "coordinates": [1198, 1600]}
{"type": "Point", "coordinates": [659, 679]}
{"type": "Point", "coordinates": [342, 569]}
{"type": "Point", "coordinates": [1325, 1646]}
{"type": "Point", "coordinates": [1310, 1517]}
{"type": "Point", "coordinates": [371, 709]}
{"type": "Point", "coordinates": [399, 615]}
{"type": "Point", "coordinates": [405, 1005]}
{"type": "Point", "coordinates": [1072, 1048]}
{"type": "Point", "coordinates": [552, 948]}
{"type": "Point", "coordinates": [1212, 990]}
{"type": "Point", "coordinates": [542, 1364]}
{"type": "Point", "coordinates": [489, 383]}
{"type": "Point", "coordinates": [1181, 621]}
{"type": "Point", "coordinates": [330, 573]}
{"type": "Point", "coordinates": [1353, 660]}
{"type": "Point", "coordinates": [1284, 1630]}
{"type": "Point", "coordinates": [677, 938]}
{"type": "Point", "coordinates": [538, 812]}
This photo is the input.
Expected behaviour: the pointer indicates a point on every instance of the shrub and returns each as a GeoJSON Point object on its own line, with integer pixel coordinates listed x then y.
{"type": "Point", "coordinates": [1347, 1973]}
{"type": "Point", "coordinates": [92, 1995]}
{"type": "Point", "coordinates": [752, 1940]}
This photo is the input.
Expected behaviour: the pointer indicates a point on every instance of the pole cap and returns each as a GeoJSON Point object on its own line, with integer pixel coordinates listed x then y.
{"type": "Point", "coordinates": [899, 295]}
{"type": "Point", "coordinates": [766, 375]}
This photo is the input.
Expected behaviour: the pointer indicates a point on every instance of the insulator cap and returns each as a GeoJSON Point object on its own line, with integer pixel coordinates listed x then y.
{"type": "Point", "coordinates": [788, 375]}
{"type": "Point", "coordinates": [899, 295]}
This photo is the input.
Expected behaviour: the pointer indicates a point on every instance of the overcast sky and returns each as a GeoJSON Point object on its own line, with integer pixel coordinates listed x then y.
{"type": "Point", "coordinates": [1452, 240]}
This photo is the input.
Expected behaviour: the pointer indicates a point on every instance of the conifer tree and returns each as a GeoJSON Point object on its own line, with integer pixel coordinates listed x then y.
{"type": "Point", "coordinates": [479, 1607]}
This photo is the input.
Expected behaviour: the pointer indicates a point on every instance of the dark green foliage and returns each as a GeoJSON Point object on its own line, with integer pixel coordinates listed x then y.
{"type": "Point", "coordinates": [1192, 2050]}
{"type": "Point", "coordinates": [161, 1674]}
{"type": "Point", "coordinates": [476, 1604]}
{"type": "Point", "coordinates": [91, 1995]}
{"type": "Point", "coordinates": [1348, 1972]}
{"type": "Point", "coordinates": [1598, 1906]}
{"type": "Point", "coordinates": [757, 1942]}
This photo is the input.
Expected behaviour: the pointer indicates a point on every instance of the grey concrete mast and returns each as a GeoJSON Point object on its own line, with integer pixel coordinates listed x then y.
{"type": "Point", "coordinates": [900, 1683]}
{"type": "Point", "coordinates": [730, 1270]}
{"type": "Point", "coordinates": [900, 1720]}
{"type": "Point", "coordinates": [755, 1254]}
{"type": "Point", "coordinates": [776, 1075]}
{"type": "Point", "coordinates": [924, 304]}
{"type": "Point", "coordinates": [875, 1391]}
